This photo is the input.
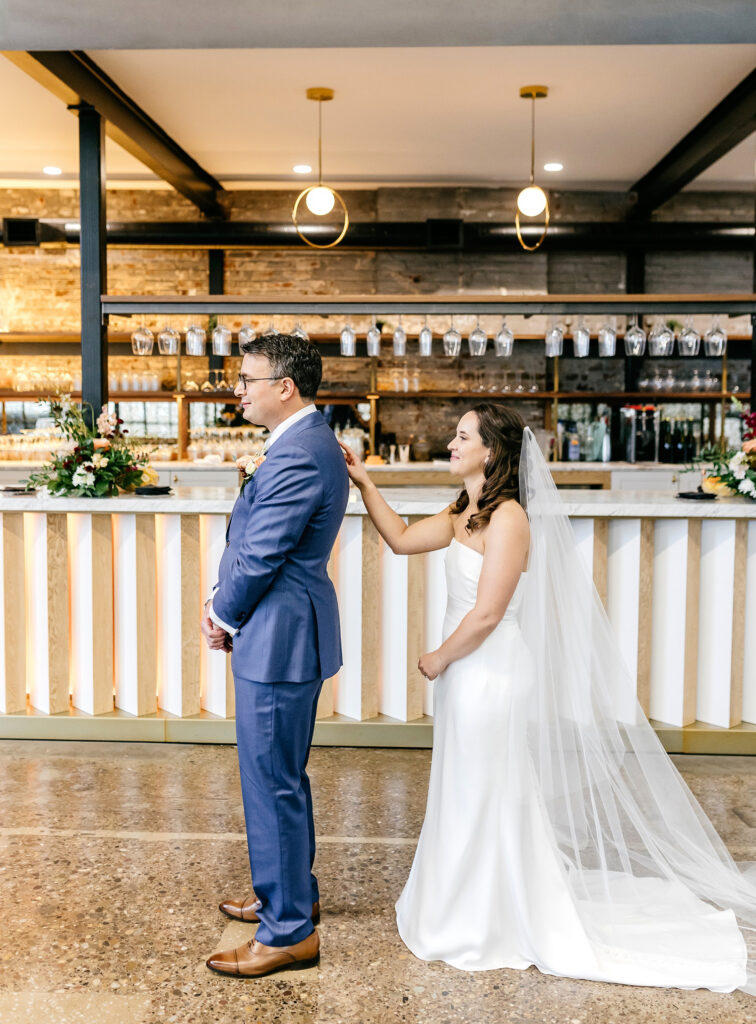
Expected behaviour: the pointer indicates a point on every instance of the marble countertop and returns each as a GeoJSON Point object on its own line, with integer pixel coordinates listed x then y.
{"type": "Point", "coordinates": [401, 467]}
{"type": "Point", "coordinates": [404, 500]}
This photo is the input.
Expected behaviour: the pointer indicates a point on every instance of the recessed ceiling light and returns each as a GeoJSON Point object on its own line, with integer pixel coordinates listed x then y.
{"type": "Point", "coordinates": [51, 170]}
{"type": "Point", "coordinates": [555, 166]}
{"type": "Point", "coordinates": [301, 168]}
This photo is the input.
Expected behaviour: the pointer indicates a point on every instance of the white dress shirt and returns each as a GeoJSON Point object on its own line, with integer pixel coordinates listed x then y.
{"type": "Point", "coordinates": [282, 427]}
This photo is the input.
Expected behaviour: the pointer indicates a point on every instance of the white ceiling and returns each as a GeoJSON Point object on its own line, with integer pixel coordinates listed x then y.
{"type": "Point", "coordinates": [145, 24]}
{"type": "Point", "coordinates": [401, 115]}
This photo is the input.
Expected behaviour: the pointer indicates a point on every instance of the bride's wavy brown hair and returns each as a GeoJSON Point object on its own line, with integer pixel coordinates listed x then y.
{"type": "Point", "coordinates": [500, 429]}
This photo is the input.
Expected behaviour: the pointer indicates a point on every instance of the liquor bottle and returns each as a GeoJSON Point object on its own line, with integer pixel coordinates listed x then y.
{"type": "Point", "coordinates": [690, 443]}
{"type": "Point", "coordinates": [678, 444]}
{"type": "Point", "coordinates": [665, 442]}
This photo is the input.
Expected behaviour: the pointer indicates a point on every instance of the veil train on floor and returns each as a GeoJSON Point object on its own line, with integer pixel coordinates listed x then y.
{"type": "Point", "coordinates": [635, 844]}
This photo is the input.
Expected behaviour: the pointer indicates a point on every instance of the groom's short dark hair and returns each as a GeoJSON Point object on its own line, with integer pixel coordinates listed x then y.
{"type": "Point", "coordinates": [290, 356]}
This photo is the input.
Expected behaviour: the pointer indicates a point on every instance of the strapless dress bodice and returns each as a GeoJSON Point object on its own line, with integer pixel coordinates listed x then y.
{"type": "Point", "coordinates": [463, 566]}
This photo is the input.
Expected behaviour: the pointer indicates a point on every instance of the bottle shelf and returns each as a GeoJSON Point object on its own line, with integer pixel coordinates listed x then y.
{"type": "Point", "coordinates": [224, 397]}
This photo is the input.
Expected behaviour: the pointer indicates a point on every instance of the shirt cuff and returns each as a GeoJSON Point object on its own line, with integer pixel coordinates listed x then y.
{"type": "Point", "coordinates": [219, 622]}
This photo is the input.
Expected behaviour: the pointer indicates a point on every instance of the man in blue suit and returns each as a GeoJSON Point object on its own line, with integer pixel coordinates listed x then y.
{"type": "Point", "coordinates": [275, 608]}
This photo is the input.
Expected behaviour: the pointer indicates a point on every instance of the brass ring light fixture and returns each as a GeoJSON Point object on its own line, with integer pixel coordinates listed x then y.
{"type": "Point", "coordinates": [320, 199]}
{"type": "Point", "coordinates": [532, 200]}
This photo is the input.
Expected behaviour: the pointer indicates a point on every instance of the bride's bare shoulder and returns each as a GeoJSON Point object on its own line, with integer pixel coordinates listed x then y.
{"type": "Point", "coordinates": [510, 515]}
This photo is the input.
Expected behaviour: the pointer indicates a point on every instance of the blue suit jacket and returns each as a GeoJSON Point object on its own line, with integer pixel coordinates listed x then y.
{"type": "Point", "coordinates": [272, 581]}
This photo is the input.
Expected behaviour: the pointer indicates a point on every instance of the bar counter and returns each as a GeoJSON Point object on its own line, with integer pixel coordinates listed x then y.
{"type": "Point", "coordinates": [108, 593]}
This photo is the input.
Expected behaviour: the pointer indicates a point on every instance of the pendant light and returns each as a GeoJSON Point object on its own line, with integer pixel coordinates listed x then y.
{"type": "Point", "coordinates": [532, 200]}
{"type": "Point", "coordinates": [321, 198]}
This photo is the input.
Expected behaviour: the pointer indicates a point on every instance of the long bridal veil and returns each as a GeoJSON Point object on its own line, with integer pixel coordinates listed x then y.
{"type": "Point", "coordinates": [649, 875]}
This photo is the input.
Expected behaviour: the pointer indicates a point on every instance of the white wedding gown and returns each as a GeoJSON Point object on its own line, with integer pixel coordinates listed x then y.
{"type": "Point", "coordinates": [495, 883]}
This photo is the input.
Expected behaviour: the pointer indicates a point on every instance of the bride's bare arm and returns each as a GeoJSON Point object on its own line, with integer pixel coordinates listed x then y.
{"type": "Point", "coordinates": [506, 549]}
{"type": "Point", "coordinates": [427, 535]}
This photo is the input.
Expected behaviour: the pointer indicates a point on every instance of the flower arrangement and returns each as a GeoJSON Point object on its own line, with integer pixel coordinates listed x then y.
{"type": "Point", "coordinates": [734, 471]}
{"type": "Point", "coordinates": [91, 463]}
{"type": "Point", "coordinates": [248, 465]}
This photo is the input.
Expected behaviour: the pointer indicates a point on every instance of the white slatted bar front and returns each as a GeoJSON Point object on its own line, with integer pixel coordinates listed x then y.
{"type": "Point", "coordinates": [715, 622]}
{"type": "Point", "coordinates": [749, 658]}
{"type": "Point", "coordinates": [392, 692]}
{"type": "Point", "coordinates": [216, 681]}
{"type": "Point", "coordinates": [668, 621]}
{"type": "Point", "coordinates": [347, 698]}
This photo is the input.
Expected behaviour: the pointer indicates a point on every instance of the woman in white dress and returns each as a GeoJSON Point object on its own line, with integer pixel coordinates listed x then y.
{"type": "Point", "coordinates": [557, 831]}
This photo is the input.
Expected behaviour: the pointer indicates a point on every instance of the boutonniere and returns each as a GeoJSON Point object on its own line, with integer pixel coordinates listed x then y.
{"type": "Point", "coordinates": [248, 465]}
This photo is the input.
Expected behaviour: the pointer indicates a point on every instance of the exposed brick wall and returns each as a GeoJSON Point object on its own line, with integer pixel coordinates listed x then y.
{"type": "Point", "coordinates": [39, 288]}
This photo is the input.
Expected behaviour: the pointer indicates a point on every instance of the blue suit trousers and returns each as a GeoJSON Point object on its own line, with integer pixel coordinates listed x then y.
{"type": "Point", "coordinates": [274, 727]}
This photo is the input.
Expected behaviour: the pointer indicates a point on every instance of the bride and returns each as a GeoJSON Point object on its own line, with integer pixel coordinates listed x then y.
{"type": "Point", "coordinates": [558, 833]}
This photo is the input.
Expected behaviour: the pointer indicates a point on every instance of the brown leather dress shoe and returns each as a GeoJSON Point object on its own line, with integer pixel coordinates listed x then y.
{"type": "Point", "coordinates": [246, 910]}
{"type": "Point", "coordinates": [254, 960]}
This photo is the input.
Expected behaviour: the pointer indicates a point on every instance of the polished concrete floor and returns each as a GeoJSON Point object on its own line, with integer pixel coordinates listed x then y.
{"type": "Point", "coordinates": [113, 858]}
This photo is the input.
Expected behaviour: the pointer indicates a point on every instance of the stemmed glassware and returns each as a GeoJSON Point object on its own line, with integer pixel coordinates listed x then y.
{"type": "Point", "coordinates": [504, 340]}
{"type": "Point", "coordinates": [689, 341]}
{"type": "Point", "coordinates": [607, 338]}
{"type": "Point", "coordinates": [425, 339]}
{"type": "Point", "coordinates": [715, 339]}
{"type": "Point", "coordinates": [581, 340]}
{"type": "Point", "coordinates": [400, 340]}
{"type": "Point", "coordinates": [554, 339]}
{"type": "Point", "coordinates": [635, 338]}
{"type": "Point", "coordinates": [168, 341]}
{"type": "Point", "coordinates": [298, 331]}
{"type": "Point", "coordinates": [348, 340]}
{"type": "Point", "coordinates": [195, 339]}
{"type": "Point", "coordinates": [452, 341]}
{"type": "Point", "coordinates": [221, 339]}
{"type": "Point", "coordinates": [246, 334]}
{"type": "Point", "coordinates": [661, 340]}
{"type": "Point", "coordinates": [373, 339]}
{"type": "Point", "coordinates": [477, 340]}
{"type": "Point", "coordinates": [142, 341]}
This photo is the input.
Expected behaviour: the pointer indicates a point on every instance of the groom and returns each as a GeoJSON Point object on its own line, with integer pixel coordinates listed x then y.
{"type": "Point", "coordinates": [275, 608]}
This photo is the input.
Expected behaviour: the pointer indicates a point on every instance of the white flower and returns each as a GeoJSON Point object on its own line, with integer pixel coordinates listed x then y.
{"type": "Point", "coordinates": [748, 487]}
{"type": "Point", "coordinates": [99, 461]}
{"type": "Point", "coordinates": [83, 477]}
{"type": "Point", "coordinates": [738, 465]}
{"type": "Point", "coordinates": [66, 447]}
{"type": "Point", "coordinates": [65, 403]}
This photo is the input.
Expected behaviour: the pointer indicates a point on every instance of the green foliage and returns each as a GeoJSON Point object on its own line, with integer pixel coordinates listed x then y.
{"type": "Point", "coordinates": [90, 463]}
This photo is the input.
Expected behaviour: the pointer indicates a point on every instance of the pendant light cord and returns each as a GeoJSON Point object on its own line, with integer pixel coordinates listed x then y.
{"type": "Point", "coordinates": [532, 139]}
{"type": "Point", "coordinates": [320, 142]}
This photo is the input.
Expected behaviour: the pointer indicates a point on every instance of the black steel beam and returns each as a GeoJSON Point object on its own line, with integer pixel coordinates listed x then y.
{"type": "Point", "coordinates": [94, 271]}
{"type": "Point", "coordinates": [731, 121]}
{"type": "Point", "coordinates": [216, 278]}
{"type": "Point", "coordinates": [76, 78]}
{"type": "Point", "coordinates": [607, 236]}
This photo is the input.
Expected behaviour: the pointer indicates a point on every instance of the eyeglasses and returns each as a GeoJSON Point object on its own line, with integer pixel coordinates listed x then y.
{"type": "Point", "coordinates": [245, 381]}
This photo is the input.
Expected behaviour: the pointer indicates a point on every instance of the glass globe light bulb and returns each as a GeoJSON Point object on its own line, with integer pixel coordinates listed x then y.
{"type": "Point", "coordinates": [531, 201]}
{"type": "Point", "coordinates": [320, 201]}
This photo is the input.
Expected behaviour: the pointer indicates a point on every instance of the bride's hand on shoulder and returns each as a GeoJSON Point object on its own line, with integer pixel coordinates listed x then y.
{"type": "Point", "coordinates": [431, 665]}
{"type": "Point", "coordinates": [355, 467]}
